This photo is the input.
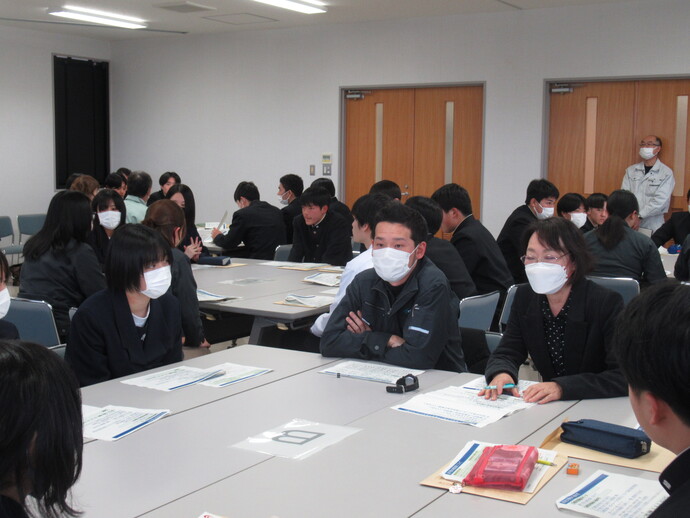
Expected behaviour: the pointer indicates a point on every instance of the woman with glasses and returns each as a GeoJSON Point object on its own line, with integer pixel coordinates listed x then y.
{"type": "Point", "coordinates": [562, 320]}
{"type": "Point", "coordinates": [134, 325]}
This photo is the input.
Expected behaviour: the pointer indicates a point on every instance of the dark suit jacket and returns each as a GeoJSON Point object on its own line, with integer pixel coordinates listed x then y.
{"type": "Point", "coordinates": [63, 280]}
{"type": "Point", "coordinates": [8, 331]}
{"type": "Point", "coordinates": [155, 196]}
{"type": "Point", "coordinates": [482, 257]}
{"type": "Point", "coordinates": [676, 480]}
{"type": "Point", "coordinates": [290, 212]}
{"type": "Point", "coordinates": [104, 342]}
{"type": "Point", "coordinates": [337, 206]}
{"type": "Point", "coordinates": [510, 241]}
{"type": "Point", "coordinates": [587, 226]}
{"type": "Point", "coordinates": [591, 367]}
{"type": "Point", "coordinates": [329, 243]}
{"type": "Point", "coordinates": [183, 286]}
{"type": "Point", "coordinates": [677, 228]}
{"type": "Point", "coordinates": [682, 268]}
{"type": "Point", "coordinates": [259, 226]}
{"type": "Point", "coordinates": [446, 257]}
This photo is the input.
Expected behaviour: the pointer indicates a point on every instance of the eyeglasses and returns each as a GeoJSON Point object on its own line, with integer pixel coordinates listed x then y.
{"type": "Point", "coordinates": [549, 258]}
{"type": "Point", "coordinates": [649, 144]}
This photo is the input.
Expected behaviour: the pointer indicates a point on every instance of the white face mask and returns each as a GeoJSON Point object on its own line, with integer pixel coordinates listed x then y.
{"type": "Point", "coordinates": [546, 278]}
{"type": "Point", "coordinates": [391, 264]}
{"type": "Point", "coordinates": [646, 153]}
{"type": "Point", "coordinates": [109, 219]}
{"type": "Point", "coordinates": [157, 282]}
{"type": "Point", "coordinates": [579, 218]}
{"type": "Point", "coordinates": [4, 302]}
{"type": "Point", "coordinates": [546, 212]}
{"type": "Point", "coordinates": [283, 199]}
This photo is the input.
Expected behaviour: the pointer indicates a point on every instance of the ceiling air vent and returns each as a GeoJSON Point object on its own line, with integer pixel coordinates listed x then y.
{"type": "Point", "coordinates": [185, 7]}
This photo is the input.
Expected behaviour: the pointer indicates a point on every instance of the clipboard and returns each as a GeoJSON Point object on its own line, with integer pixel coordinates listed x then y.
{"type": "Point", "coordinates": [518, 497]}
{"type": "Point", "coordinates": [656, 460]}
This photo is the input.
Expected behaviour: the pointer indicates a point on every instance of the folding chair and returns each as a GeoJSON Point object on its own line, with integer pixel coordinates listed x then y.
{"type": "Point", "coordinates": [477, 312]}
{"type": "Point", "coordinates": [34, 320]}
{"type": "Point", "coordinates": [282, 252]}
{"type": "Point", "coordinates": [628, 288]}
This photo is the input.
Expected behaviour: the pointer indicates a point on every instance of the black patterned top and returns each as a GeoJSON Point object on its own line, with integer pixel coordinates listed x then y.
{"type": "Point", "coordinates": [554, 333]}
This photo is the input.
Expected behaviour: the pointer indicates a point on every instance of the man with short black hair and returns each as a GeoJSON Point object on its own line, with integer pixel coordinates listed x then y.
{"type": "Point", "coordinates": [334, 204]}
{"type": "Point", "coordinates": [289, 190]}
{"type": "Point", "coordinates": [138, 192]}
{"type": "Point", "coordinates": [651, 342]}
{"type": "Point", "coordinates": [257, 224]}
{"type": "Point", "coordinates": [442, 253]}
{"type": "Point", "coordinates": [476, 245]}
{"type": "Point", "coordinates": [364, 212]}
{"type": "Point", "coordinates": [540, 202]}
{"type": "Point", "coordinates": [387, 187]}
{"type": "Point", "coordinates": [319, 234]}
{"type": "Point", "coordinates": [117, 183]}
{"type": "Point", "coordinates": [402, 311]}
{"type": "Point", "coordinates": [595, 205]}
{"type": "Point", "coordinates": [166, 181]}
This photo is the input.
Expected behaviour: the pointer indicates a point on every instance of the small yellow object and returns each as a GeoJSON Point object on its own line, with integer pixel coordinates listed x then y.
{"type": "Point", "coordinates": [573, 469]}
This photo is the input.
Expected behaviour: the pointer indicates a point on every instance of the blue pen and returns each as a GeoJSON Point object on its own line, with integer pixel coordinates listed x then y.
{"type": "Point", "coordinates": [506, 386]}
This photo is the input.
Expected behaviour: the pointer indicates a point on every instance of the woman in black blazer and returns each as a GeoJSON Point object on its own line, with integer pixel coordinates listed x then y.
{"type": "Point", "coordinates": [134, 324]}
{"type": "Point", "coordinates": [562, 320]}
{"type": "Point", "coordinates": [109, 214]}
{"type": "Point", "coordinates": [7, 329]}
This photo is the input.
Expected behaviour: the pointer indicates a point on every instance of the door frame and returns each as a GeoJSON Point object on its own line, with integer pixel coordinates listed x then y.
{"type": "Point", "coordinates": [341, 127]}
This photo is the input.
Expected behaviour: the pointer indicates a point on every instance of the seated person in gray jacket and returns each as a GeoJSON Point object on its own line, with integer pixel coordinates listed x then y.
{"type": "Point", "coordinates": [402, 311]}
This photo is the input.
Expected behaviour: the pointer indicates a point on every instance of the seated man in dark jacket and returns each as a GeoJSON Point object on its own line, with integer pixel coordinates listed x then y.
{"type": "Point", "coordinates": [289, 190]}
{"type": "Point", "coordinates": [320, 235]}
{"type": "Point", "coordinates": [539, 204]}
{"type": "Point", "coordinates": [444, 255]}
{"type": "Point", "coordinates": [402, 311]}
{"type": "Point", "coordinates": [677, 227]}
{"type": "Point", "coordinates": [259, 225]}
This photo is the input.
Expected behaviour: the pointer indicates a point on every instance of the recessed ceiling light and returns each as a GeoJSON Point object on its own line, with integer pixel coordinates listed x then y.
{"type": "Point", "coordinates": [294, 6]}
{"type": "Point", "coordinates": [97, 19]}
{"type": "Point", "coordinates": [104, 14]}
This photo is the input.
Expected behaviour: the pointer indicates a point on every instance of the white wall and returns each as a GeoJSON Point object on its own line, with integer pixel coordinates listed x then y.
{"type": "Point", "coordinates": [222, 108]}
{"type": "Point", "coordinates": [27, 141]}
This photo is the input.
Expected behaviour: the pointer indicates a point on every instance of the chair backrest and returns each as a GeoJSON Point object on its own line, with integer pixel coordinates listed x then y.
{"type": "Point", "coordinates": [34, 320]}
{"type": "Point", "coordinates": [477, 312]}
{"type": "Point", "coordinates": [30, 224]}
{"type": "Point", "coordinates": [492, 340]}
{"type": "Point", "coordinates": [6, 229]}
{"type": "Point", "coordinates": [282, 252]}
{"type": "Point", "coordinates": [505, 312]}
{"type": "Point", "coordinates": [59, 350]}
{"type": "Point", "coordinates": [628, 288]}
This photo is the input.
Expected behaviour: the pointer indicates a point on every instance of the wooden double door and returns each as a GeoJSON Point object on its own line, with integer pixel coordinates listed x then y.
{"type": "Point", "coordinates": [420, 138]}
{"type": "Point", "coordinates": [595, 131]}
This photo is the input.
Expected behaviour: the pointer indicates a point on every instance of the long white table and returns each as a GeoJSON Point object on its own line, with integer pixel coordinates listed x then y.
{"type": "Point", "coordinates": [259, 298]}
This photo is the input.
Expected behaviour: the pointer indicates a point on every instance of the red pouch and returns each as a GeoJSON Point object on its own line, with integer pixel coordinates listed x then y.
{"type": "Point", "coordinates": [503, 467]}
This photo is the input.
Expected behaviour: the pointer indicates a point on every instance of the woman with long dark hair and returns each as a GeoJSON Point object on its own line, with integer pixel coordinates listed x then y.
{"type": "Point", "coordinates": [191, 243]}
{"type": "Point", "coordinates": [134, 325]}
{"type": "Point", "coordinates": [59, 266]}
{"type": "Point", "coordinates": [40, 431]}
{"type": "Point", "coordinates": [618, 249]}
{"type": "Point", "coordinates": [166, 217]}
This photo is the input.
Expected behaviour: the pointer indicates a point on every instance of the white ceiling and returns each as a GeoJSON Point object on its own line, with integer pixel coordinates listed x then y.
{"type": "Point", "coordinates": [242, 15]}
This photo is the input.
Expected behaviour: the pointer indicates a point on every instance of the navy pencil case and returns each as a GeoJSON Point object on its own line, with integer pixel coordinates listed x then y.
{"type": "Point", "coordinates": [606, 437]}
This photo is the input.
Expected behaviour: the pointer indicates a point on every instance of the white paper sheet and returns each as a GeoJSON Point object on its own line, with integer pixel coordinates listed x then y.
{"type": "Point", "coordinates": [247, 281]}
{"type": "Point", "coordinates": [111, 423]}
{"type": "Point", "coordinates": [609, 495]}
{"type": "Point", "coordinates": [309, 301]}
{"type": "Point", "coordinates": [207, 296]}
{"type": "Point", "coordinates": [464, 461]}
{"type": "Point", "coordinates": [479, 383]}
{"type": "Point", "coordinates": [324, 279]}
{"type": "Point", "coordinates": [462, 405]}
{"type": "Point", "coordinates": [175, 378]}
{"type": "Point", "coordinates": [234, 373]}
{"type": "Point", "coordinates": [297, 439]}
{"type": "Point", "coordinates": [370, 371]}
{"type": "Point", "coordinates": [332, 291]}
